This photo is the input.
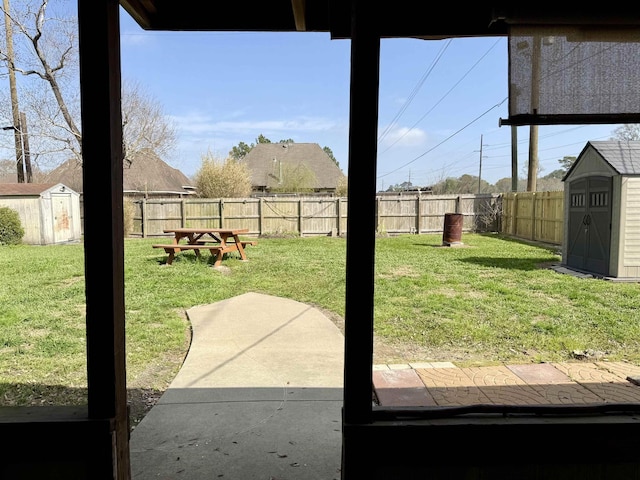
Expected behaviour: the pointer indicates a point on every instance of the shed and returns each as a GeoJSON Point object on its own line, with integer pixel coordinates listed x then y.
{"type": "Point", "coordinates": [602, 211]}
{"type": "Point", "coordinates": [50, 213]}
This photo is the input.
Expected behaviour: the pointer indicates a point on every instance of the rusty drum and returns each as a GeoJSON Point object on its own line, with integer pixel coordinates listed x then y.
{"type": "Point", "coordinates": [452, 231]}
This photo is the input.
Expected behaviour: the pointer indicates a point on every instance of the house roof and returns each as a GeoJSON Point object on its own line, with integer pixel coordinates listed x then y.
{"type": "Point", "coordinates": [27, 189]}
{"type": "Point", "coordinates": [623, 156]}
{"type": "Point", "coordinates": [146, 172]}
{"type": "Point", "coordinates": [266, 160]}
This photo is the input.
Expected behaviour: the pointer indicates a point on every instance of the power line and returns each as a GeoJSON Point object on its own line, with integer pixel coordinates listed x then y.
{"type": "Point", "coordinates": [443, 97]}
{"type": "Point", "coordinates": [445, 140]}
{"type": "Point", "coordinates": [424, 77]}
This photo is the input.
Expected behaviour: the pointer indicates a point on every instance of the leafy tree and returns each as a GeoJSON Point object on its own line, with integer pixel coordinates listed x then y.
{"type": "Point", "coordinates": [222, 179]}
{"type": "Point", "coordinates": [240, 151]}
{"type": "Point", "coordinates": [400, 187]}
{"type": "Point", "coordinates": [565, 163]}
{"type": "Point", "coordinates": [549, 184]}
{"type": "Point", "coordinates": [447, 186]}
{"type": "Point", "coordinates": [329, 153]}
{"type": "Point", "coordinates": [503, 185]}
{"type": "Point", "coordinates": [557, 174]}
{"type": "Point", "coordinates": [296, 179]}
{"type": "Point", "coordinates": [628, 131]}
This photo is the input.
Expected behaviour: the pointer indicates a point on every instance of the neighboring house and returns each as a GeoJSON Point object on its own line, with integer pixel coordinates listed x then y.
{"type": "Point", "coordinates": [143, 176]}
{"type": "Point", "coordinates": [270, 163]}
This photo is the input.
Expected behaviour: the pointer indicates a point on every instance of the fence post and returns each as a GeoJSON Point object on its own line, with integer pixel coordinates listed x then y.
{"type": "Point", "coordinates": [377, 214]}
{"type": "Point", "coordinates": [300, 216]}
{"type": "Point", "coordinates": [143, 219]}
{"type": "Point", "coordinates": [260, 215]}
{"type": "Point", "coordinates": [418, 213]}
{"type": "Point", "coordinates": [183, 219]}
{"type": "Point", "coordinates": [514, 215]}
{"type": "Point", "coordinates": [533, 216]}
{"type": "Point", "coordinates": [338, 215]}
{"type": "Point", "coordinates": [221, 211]}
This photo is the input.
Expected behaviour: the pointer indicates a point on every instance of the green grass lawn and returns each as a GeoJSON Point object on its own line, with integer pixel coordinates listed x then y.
{"type": "Point", "coordinates": [487, 301]}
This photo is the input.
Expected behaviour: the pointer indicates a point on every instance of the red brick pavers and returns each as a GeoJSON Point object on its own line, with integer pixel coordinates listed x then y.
{"type": "Point", "coordinates": [444, 384]}
{"type": "Point", "coordinates": [401, 388]}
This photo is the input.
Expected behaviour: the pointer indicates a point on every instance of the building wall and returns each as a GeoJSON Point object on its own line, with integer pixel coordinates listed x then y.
{"type": "Point", "coordinates": [28, 209]}
{"type": "Point", "coordinates": [52, 217]}
{"type": "Point", "coordinates": [628, 258]}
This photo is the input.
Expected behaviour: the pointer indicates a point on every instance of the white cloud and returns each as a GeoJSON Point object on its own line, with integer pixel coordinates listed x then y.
{"type": "Point", "coordinates": [405, 137]}
{"type": "Point", "coordinates": [198, 123]}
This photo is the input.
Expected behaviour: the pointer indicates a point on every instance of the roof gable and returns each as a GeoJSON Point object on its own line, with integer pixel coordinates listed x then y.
{"type": "Point", "coordinates": [623, 156]}
{"type": "Point", "coordinates": [265, 162]}
{"type": "Point", "coordinates": [145, 173]}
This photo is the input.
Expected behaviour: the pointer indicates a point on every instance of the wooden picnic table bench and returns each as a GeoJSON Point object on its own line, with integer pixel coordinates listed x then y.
{"type": "Point", "coordinates": [218, 241]}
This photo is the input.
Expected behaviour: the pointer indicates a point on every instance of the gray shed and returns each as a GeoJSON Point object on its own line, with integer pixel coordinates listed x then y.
{"type": "Point", "coordinates": [50, 213]}
{"type": "Point", "coordinates": [602, 211]}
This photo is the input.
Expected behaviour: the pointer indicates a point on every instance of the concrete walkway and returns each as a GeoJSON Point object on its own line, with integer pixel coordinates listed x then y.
{"type": "Point", "coordinates": [259, 397]}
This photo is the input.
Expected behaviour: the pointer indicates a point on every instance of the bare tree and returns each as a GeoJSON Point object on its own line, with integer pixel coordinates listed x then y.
{"type": "Point", "coordinates": [628, 131]}
{"type": "Point", "coordinates": [47, 51]}
{"type": "Point", "coordinates": [144, 125]}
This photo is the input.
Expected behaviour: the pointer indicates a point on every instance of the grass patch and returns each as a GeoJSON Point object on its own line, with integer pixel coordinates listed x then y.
{"type": "Point", "coordinates": [487, 301]}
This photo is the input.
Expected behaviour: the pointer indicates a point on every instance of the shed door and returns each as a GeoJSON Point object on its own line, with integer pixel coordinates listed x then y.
{"type": "Point", "coordinates": [62, 218]}
{"type": "Point", "coordinates": [590, 224]}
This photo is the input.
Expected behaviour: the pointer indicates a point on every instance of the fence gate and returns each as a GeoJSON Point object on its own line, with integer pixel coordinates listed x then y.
{"type": "Point", "coordinates": [590, 224]}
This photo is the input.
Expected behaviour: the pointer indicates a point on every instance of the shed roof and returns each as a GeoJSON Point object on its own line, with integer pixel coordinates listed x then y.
{"type": "Point", "coordinates": [265, 158]}
{"type": "Point", "coordinates": [26, 189]}
{"type": "Point", "coordinates": [621, 155]}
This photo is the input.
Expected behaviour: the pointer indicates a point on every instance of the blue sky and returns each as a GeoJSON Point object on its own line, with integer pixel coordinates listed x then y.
{"type": "Point", "coordinates": [439, 100]}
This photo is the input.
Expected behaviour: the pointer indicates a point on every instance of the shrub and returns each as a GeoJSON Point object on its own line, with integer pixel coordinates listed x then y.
{"type": "Point", "coordinates": [222, 179]}
{"type": "Point", "coordinates": [11, 231]}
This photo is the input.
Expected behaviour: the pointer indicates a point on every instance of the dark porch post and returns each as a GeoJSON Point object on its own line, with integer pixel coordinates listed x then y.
{"type": "Point", "coordinates": [99, 35]}
{"type": "Point", "coordinates": [361, 219]}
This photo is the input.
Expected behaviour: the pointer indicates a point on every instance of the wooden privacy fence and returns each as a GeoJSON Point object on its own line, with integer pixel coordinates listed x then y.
{"type": "Point", "coordinates": [537, 216]}
{"type": "Point", "coordinates": [309, 216]}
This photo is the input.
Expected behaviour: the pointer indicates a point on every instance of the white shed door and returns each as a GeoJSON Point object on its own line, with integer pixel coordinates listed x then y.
{"type": "Point", "coordinates": [62, 218]}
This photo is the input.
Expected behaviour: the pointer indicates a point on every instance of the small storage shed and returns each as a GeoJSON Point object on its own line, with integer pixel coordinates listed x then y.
{"type": "Point", "coordinates": [50, 213]}
{"type": "Point", "coordinates": [602, 211]}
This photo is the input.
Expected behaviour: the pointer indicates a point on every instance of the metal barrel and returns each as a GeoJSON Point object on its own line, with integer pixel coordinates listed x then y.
{"type": "Point", "coordinates": [452, 231]}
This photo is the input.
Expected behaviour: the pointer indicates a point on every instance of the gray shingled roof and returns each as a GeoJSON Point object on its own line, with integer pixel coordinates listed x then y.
{"type": "Point", "coordinates": [623, 156]}
{"type": "Point", "coordinates": [264, 162]}
{"type": "Point", "coordinates": [147, 172]}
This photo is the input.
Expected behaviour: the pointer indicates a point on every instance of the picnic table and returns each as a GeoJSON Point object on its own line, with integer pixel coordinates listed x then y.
{"type": "Point", "coordinates": [219, 241]}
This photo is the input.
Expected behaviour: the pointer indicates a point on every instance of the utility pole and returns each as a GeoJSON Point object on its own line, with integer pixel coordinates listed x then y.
{"type": "Point", "coordinates": [480, 169]}
{"type": "Point", "coordinates": [514, 158]}
{"type": "Point", "coordinates": [14, 94]}
{"type": "Point", "coordinates": [24, 135]}
{"type": "Point", "coordinates": [532, 174]}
